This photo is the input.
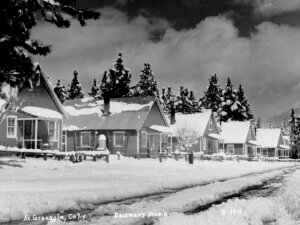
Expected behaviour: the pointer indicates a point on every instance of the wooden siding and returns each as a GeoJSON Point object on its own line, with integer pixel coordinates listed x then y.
{"type": "Point", "coordinates": [129, 148]}
{"type": "Point", "coordinates": [238, 148]}
{"type": "Point", "coordinates": [154, 117]}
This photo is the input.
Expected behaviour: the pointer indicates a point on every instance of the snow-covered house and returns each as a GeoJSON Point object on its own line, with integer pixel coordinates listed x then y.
{"type": "Point", "coordinates": [202, 125]}
{"type": "Point", "coordinates": [34, 120]}
{"type": "Point", "coordinates": [272, 143]}
{"type": "Point", "coordinates": [133, 126]}
{"type": "Point", "coordinates": [239, 138]}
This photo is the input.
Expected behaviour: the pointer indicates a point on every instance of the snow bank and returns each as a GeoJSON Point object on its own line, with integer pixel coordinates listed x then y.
{"type": "Point", "coordinates": [39, 187]}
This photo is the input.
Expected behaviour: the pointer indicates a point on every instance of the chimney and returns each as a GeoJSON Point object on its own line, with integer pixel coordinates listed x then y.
{"type": "Point", "coordinates": [163, 91]}
{"type": "Point", "coordinates": [255, 130]}
{"type": "Point", "coordinates": [172, 120]}
{"type": "Point", "coordinates": [106, 104]}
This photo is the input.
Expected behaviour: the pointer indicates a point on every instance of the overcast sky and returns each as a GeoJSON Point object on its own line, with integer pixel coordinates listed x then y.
{"type": "Point", "coordinates": [255, 42]}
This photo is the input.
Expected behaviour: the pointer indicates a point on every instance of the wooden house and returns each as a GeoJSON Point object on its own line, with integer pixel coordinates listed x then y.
{"type": "Point", "coordinates": [202, 124]}
{"type": "Point", "coordinates": [133, 126]}
{"type": "Point", "coordinates": [239, 138]}
{"type": "Point", "coordinates": [34, 120]}
{"type": "Point", "coordinates": [272, 143]}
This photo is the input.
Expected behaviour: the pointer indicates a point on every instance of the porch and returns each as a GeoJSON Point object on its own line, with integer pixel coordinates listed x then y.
{"type": "Point", "coordinates": [159, 140]}
{"type": "Point", "coordinates": [38, 133]}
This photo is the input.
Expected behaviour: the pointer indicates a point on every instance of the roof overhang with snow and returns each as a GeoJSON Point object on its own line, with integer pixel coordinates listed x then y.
{"type": "Point", "coordinates": [162, 129]}
{"type": "Point", "coordinates": [42, 113]}
{"type": "Point", "coordinates": [253, 142]}
{"type": "Point", "coordinates": [284, 147]}
{"type": "Point", "coordinates": [216, 136]}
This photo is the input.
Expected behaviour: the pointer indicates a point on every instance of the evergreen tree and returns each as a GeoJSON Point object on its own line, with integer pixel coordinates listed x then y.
{"type": "Point", "coordinates": [285, 128]}
{"type": "Point", "coordinates": [147, 86]}
{"type": "Point", "coordinates": [117, 81]}
{"type": "Point", "coordinates": [213, 94]}
{"type": "Point", "coordinates": [76, 90]}
{"type": "Point", "coordinates": [95, 90]}
{"type": "Point", "coordinates": [258, 123]}
{"type": "Point", "coordinates": [229, 103]}
{"type": "Point", "coordinates": [244, 111]}
{"type": "Point", "coordinates": [17, 19]}
{"type": "Point", "coordinates": [294, 133]}
{"type": "Point", "coordinates": [168, 98]}
{"type": "Point", "coordinates": [60, 91]}
{"type": "Point", "coordinates": [186, 102]}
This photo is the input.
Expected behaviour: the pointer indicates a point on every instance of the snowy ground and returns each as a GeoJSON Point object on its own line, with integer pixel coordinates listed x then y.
{"type": "Point", "coordinates": [281, 209]}
{"type": "Point", "coordinates": [36, 187]}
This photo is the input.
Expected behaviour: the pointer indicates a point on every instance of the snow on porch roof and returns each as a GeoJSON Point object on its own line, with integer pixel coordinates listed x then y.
{"type": "Point", "coordinates": [42, 112]}
{"type": "Point", "coordinates": [162, 129]}
{"type": "Point", "coordinates": [125, 113]}
{"type": "Point", "coordinates": [284, 147]}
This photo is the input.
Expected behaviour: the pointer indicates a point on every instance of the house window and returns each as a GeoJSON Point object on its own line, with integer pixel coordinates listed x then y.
{"type": "Point", "coordinates": [119, 139]}
{"type": "Point", "coordinates": [230, 149]}
{"type": "Point", "coordinates": [258, 151]}
{"type": "Point", "coordinates": [144, 139]}
{"type": "Point", "coordinates": [85, 139]}
{"type": "Point", "coordinates": [210, 124]}
{"type": "Point", "coordinates": [52, 131]}
{"type": "Point", "coordinates": [204, 144]}
{"type": "Point", "coordinates": [11, 127]}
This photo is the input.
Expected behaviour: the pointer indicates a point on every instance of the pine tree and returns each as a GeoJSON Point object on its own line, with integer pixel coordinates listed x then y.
{"type": "Point", "coordinates": [167, 99]}
{"type": "Point", "coordinates": [60, 91]}
{"type": "Point", "coordinates": [186, 102]}
{"type": "Point", "coordinates": [95, 90]}
{"type": "Point", "coordinates": [285, 128]}
{"type": "Point", "coordinates": [294, 133]}
{"type": "Point", "coordinates": [147, 86]}
{"type": "Point", "coordinates": [229, 102]}
{"type": "Point", "coordinates": [117, 81]}
{"type": "Point", "coordinates": [76, 90]}
{"type": "Point", "coordinates": [258, 123]}
{"type": "Point", "coordinates": [213, 94]}
{"type": "Point", "coordinates": [17, 19]}
{"type": "Point", "coordinates": [244, 106]}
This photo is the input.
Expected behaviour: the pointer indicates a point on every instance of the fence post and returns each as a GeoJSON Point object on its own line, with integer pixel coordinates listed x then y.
{"type": "Point", "coordinates": [191, 158]}
{"type": "Point", "coordinates": [94, 158]}
{"type": "Point", "coordinates": [107, 158]}
{"type": "Point", "coordinates": [45, 157]}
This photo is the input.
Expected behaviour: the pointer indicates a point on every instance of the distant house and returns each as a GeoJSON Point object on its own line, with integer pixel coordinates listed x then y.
{"type": "Point", "coordinates": [272, 143]}
{"type": "Point", "coordinates": [133, 126]}
{"type": "Point", "coordinates": [239, 138]}
{"type": "Point", "coordinates": [203, 123]}
{"type": "Point", "coordinates": [35, 120]}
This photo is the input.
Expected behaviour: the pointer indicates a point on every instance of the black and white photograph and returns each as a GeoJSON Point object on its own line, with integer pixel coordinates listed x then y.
{"type": "Point", "coordinates": [149, 112]}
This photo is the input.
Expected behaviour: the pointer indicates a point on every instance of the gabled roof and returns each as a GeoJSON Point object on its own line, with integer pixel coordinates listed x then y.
{"type": "Point", "coordinates": [195, 121]}
{"type": "Point", "coordinates": [125, 113]}
{"type": "Point", "coordinates": [52, 93]}
{"type": "Point", "coordinates": [268, 138]}
{"type": "Point", "coordinates": [235, 132]}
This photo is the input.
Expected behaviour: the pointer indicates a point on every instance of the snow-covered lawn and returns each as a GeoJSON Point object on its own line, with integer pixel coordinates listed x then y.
{"type": "Point", "coordinates": [282, 209]}
{"type": "Point", "coordinates": [38, 187]}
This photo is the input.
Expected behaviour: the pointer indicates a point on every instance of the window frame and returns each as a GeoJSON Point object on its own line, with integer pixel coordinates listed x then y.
{"type": "Point", "coordinates": [204, 147]}
{"type": "Point", "coordinates": [144, 139]}
{"type": "Point", "coordinates": [81, 139]}
{"type": "Point", "coordinates": [229, 150]}
{"type": "Point", "coordinates": [123, 138]}
{"type": "Point", "coordinates": [14, 135]}
{"type": "Point", "coordinates": [55, 137]}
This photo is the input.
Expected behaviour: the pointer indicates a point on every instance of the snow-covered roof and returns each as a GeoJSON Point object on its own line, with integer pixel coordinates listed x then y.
{"type": "Point", "coordinates": [195, 121]}
{"type": "Point", "coordinates": [42, 112]}
{"type": "Point", "coordinates": [235, 132]}
{"type": "Point", "coordinates": [268, 138]}
{"type": "Point", "coordinates": [125, 113]}
{"type": "Point", "coordinates": [253, 142]}
{"type": "Point", "coordinates": [215, 136]}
